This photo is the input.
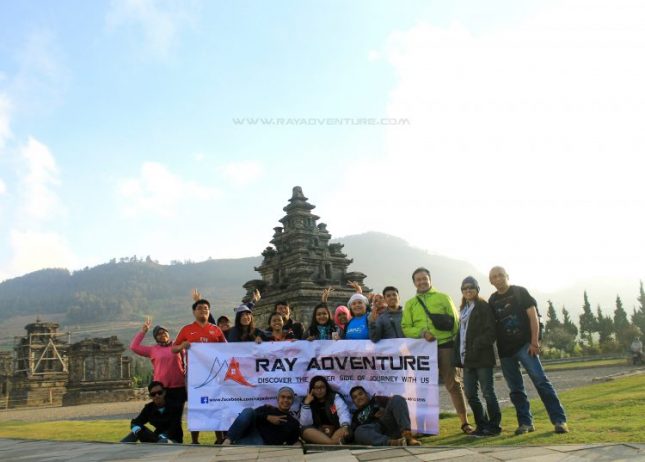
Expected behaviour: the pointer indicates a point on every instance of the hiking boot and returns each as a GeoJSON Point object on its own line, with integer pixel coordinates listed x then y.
{"type": "Point", "coordinates": [409, 439]}
{"type": "Point", "coordinates": [524, 429]}
{"type": "Point", "coordinates": [561, 427]}
{"type": "Point", "coordinates": [397, 442]}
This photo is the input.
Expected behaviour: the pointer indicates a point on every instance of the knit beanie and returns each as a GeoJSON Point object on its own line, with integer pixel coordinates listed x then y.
{"type": "Point", "coordinates": [472, 281]}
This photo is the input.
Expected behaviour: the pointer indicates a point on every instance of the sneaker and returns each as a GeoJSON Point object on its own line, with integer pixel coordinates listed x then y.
{"type": "Point", "coordinates": [524, 429]}
{"type": "Point", "coordinates": [410, 439]}
{"type": "Point", "coordinates": [397, 442]}
{"type": "Point", "coordinates": [561, 428]}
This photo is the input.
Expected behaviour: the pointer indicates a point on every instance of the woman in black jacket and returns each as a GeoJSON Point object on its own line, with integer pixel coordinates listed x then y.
{"type": "Point", "coordinates": [474, 352]}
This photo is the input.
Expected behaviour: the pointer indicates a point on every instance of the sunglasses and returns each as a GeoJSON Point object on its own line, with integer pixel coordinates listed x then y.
{"type": "Point", "coordinates": [156, 393]}
{"type": "Point", "coordinates": [464, 288]}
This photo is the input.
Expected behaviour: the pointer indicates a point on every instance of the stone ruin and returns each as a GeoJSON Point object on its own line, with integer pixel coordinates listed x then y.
{"type": "Point", "coordinates": [300, 264]}
{"type": "Point", "coordinates": [46, 369]}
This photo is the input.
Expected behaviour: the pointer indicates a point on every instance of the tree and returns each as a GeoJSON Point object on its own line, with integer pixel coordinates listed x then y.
{"type": "Point", "coordinates": [621, 324]}
{"type": "Point", "coordinates": [561, 339]}
{"type": "Point", "coordinates": [588, 324]}
{"type": "Point", "coordinates": [605, 327]}
{"type": "Point", "coordinates": [551, 319]}
{"type": "Point", "coordinates": [567, 323]}
{"type": "Point", "coordinates": [638, 318]}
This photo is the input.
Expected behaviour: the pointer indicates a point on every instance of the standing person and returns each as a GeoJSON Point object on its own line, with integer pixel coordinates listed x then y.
{"type": "Point", "coordinates": [224, 324]}
{"type": "Point", "coordinates": [324, 415]}
{"type": "Point", "coordinates": [342, 316]}
{"type": "Point", "coordinates": [266, 424]}
{"type": "Point", "coordinates": [357, 328]}
{"type": "Point", "coordinates": [164, 416]}
{"type": "Point", "coordinates": [167, 367]}
{"type": "Point", "coordinates": [296, 327]}
{"type": "Point", "coordinates": [244, 329]}
{"type": "Point", "coordinates": [518, 342]}
{"type": "Point", "coordinates": [431, 315]}
{"type": "Point", "coordinates": [474, 353]}
{"type": "Point", "coordinates": [384, 324]}
{"type": "Point", "coordinates": [277, 331]}
{"type": "Point", "coordinates": [322, 327]}
{"type": "Point", "coordinates": [380, 420]}
{"type": "Point", "coordinates": [200, 331]}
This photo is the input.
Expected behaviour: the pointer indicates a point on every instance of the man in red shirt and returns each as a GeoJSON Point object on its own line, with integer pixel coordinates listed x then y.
{"type": "Point", "coordinates": [200, 331]}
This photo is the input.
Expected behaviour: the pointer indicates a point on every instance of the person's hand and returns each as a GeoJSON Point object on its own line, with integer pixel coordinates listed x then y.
{"type": "Point", "coordinates": [196, 295]}
{"type": "Point", "coordinates": [276, 419]}
{"type": "Point", "coordinates": [309, 398]}
{"type": "Point", "coordinates": [374, 315]}
{"type": "Point", "coordinates": [356, 286]}
{"type": "Point", "coordinates": [311, 338]}
{"type": "Point", "coordinates": [380, 413]}
{"type": "Point", "coordinates": [429, 337]}
{"type": "Point", "coordinates": [146, 325]}
{"type": "Point", "coordinates": [534, 350]}
{"type": "Point", "coordinates": [256, 296]}
{"type": "Point", "coordinates": [258, 339]}
{"type": "Point", "coordinates": [185, 345]}
{"type": "Point", "coordinates": [325, 294]}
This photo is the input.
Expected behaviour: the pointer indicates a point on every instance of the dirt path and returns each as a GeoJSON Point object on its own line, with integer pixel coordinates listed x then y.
{"type": "Point", "coordinates": [562, 380]}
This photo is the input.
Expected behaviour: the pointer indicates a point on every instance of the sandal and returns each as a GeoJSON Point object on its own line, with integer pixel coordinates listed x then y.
{"type": "Point", "coordinates": [467, 429]}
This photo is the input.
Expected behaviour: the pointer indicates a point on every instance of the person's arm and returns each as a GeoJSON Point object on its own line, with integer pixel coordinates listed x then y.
{"type": "Point", "coordinates": [534, 323]}
{"type": "Point", "coordinates": [140, 420]}
{"type": "Point", "coordinates": [137, 348]}
{"type": "Point", "coordinates": [344, 417]}
{"type": "Point", "coordinates": [181, 343]}
{"type": "Point", "coordinates": [306, 417]}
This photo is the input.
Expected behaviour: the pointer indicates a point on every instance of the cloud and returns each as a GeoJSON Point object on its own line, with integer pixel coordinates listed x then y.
{"type": "Point", "coordinates": [242, 173]}
{"type": "Point", "coordinates": [523, 141]}
{"type": "Point", "coordinates": [36, 250]}
{"type": "Point", "coordinates": [39, 181]}
{"type": "Point", "coordinates": [5, 131]}
{"type": "Point", "coordinates": [160, 22]}
{"type": "Point", "coordinates": [159, 191]}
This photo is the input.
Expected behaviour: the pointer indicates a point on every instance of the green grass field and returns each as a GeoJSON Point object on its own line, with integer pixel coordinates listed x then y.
{"type": "Point", "coordinates": [609, 412]}
{"type": "Point", "coordinates": [586, 364]}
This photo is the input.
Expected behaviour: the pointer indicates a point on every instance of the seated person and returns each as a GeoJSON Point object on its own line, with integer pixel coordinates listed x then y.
{"type": "Point", "coordinates": [381, 421]}
{"type": "Point", "coordinates": [266, 424]}
{"type": "Point", "coordinates": [164, 417]}
{"type": "Point", "coordinates": [324, 415]}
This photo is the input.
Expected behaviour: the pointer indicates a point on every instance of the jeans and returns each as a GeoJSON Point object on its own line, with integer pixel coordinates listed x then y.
{"type": "Point", "coordinates": [395, 420]}
{"type": "Point", "coordinates": [482, 377]}
{"type": "Point", "coordinates": [513, 376]}
{"type": "Point", "coordinates": [243, 429]}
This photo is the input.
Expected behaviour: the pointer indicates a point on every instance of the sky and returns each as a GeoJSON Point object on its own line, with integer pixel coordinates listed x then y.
{"type": "Point", "coordinates": [498, 132]}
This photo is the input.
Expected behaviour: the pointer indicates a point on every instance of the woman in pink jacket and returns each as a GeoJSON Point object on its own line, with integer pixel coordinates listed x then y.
{"type": "Point", "coordinates": [167, 367]}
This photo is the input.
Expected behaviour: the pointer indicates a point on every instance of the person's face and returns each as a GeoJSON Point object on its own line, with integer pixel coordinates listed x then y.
{"type": "Point", "coordinates": [158, 395]}
{"type": "Point", "coordinates": [498, 278]}
{"type": "Point", "coordinates": [342, 318]}
{"type": "Point", "coordinates": [360, 398]}
{"type": "Point", "coordinates": [358, 308]}
{"type": "Point", "coordinates": [319, 390]}
{"type": "Point", "coordinates": [277, 323]}
{"type": "Point", "coordinates": [224, 325]}
{"type": "Point", "coordinates": [201, 312]}
{"type": "Point", "coordinates": [422, 281]}
{"type": "Point", "coordinates": [379, 302]}
{"type": "Point", "coordinates": [245, 318]}
{"type": "Point", "coordinates": [322, 317]}
{"type": "Point", "coordinates": [469, 292]}
{"type": "Point", "coordinates": [392, 299]}
{"type": "Point", "coordinates": [283, 310]}
{"type": "Point", "coordinates": [162, 337]}
{"type": "Point", "coordinates": [285, 400]}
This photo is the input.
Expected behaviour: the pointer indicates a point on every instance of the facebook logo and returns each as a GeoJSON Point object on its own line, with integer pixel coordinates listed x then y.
{"type": "Point", "coordinates": [204, 399]}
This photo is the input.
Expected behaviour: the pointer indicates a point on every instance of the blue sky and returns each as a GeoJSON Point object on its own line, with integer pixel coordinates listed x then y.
{"type": "Point", "coordinates": [521, 145]}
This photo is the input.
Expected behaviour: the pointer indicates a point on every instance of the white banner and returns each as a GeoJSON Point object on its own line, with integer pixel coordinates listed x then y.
{"type": "Point", "coordinates": [224, 378]}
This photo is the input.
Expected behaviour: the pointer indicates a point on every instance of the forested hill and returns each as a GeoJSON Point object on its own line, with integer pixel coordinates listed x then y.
{"type": "Point", "coordinates": [124, 290]}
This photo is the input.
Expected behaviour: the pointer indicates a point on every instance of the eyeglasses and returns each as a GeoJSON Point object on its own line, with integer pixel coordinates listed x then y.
{"type": "Point", "coordinates": [465, 288]}
{"type": "Point", "coordinates": [156, 393]}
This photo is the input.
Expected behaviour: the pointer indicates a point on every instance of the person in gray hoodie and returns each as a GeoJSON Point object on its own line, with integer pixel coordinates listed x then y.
{"type": "Point", "coordinates": [385, 321]}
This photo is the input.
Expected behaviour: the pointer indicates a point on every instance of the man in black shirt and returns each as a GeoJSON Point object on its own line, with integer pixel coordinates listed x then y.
{"type": "Point", "coordinates": [296, 327]}
{"type": "Point", "coordinates": [518, 342]}
{"type": "Point", "coordinates": [266, 424]}
{"type": "Point", "coordinates": [164, 417]}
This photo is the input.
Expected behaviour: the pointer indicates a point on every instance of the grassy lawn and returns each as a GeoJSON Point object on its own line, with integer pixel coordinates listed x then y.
{"type": "Point", "coordinates": [586, 364]}
{"type": "Point", "coordinates": [598, 413]}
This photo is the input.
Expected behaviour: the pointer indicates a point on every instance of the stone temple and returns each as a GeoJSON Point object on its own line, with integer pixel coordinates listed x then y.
{"type": "Point", "coordinates": [300, 263]}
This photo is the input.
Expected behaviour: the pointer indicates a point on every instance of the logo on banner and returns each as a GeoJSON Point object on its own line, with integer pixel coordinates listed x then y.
{"type": "Point", "coordinates": [204, 399]}
{"type": "Point", "coordinates": [233, 373]}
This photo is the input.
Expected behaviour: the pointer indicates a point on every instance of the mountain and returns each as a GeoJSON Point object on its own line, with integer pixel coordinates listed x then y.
{"type": "Point", "coordinates": [114, 297]}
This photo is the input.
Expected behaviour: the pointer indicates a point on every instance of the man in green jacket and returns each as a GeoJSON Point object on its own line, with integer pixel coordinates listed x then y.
{"type": "Point", "coordinates": [417, 323]}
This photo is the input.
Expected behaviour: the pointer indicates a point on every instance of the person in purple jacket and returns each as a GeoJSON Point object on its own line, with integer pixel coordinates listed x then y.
{"type": "Point", "coordinates": [167, 367]}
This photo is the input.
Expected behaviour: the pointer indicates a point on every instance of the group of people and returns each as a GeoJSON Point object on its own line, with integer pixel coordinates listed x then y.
{"type": "Point", "coordinates": [465, 340]}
